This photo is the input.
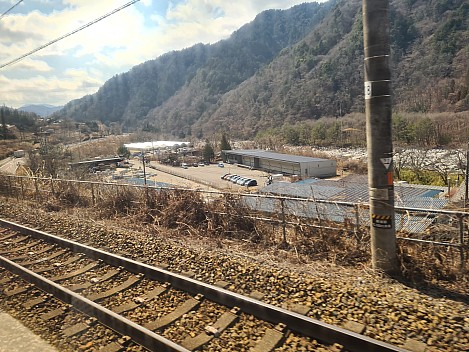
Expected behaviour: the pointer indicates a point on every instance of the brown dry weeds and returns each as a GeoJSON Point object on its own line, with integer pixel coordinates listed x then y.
{"type": "Point", "coordinates": [186, 213]}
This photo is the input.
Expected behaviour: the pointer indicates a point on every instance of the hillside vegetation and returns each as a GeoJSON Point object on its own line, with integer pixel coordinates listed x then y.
{"type": "Point", "coordinates": [288, 67]}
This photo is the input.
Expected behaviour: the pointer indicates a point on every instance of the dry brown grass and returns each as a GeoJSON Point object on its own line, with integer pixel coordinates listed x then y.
{"type": "Point", "coordinates": [7, 147]}
{"type": "Point", "coordinates": [354, 166]}
{"type": "Point", "coordinates": [69, 195]}
{"type": "Point", "coordinates": [341, 246]}
{"type": "Point", "coordinates": [189, 213]}
{"type": "Point", "coordinates": [119, 201]}
{"type": "Point", "coordinates": [427, 263]}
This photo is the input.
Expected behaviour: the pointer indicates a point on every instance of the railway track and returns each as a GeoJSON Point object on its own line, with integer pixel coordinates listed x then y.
{"type": "Point", "coordinates": [90, 293]}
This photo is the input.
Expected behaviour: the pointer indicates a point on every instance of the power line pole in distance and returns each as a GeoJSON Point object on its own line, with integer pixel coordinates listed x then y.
{"type": "Point", "coordinates": [379, 134]}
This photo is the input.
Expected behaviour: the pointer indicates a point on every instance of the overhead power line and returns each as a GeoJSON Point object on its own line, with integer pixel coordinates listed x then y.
{"type": "Point", "coordinates": [11, 8]}
{"type": "Point", "coordinates": [68, 34]}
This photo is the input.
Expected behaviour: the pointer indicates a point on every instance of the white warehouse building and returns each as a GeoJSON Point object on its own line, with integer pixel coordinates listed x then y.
{"type": "Point", "coordinates": [286, 164]}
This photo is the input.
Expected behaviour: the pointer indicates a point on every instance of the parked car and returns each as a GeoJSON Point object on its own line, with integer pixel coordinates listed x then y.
{"type": "Point", "coordinates": [245, 181]}
{"type": "Point", "coordinates": [221, 165]}
{"type": "Point", "coordinates": [235, 178]}
{"type": "Point", "coordinates": [184, 165]}
{"type": "Point", "coordinates": [251, 183]}
{"type": "Point", "coordinates": [241, 180]}
{"type": "Point", "coordinates": [225, 176]}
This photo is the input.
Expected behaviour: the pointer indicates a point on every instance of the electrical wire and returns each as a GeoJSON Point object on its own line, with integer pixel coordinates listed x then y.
{"type": "Point", "coordinates": [68, 34]}
{"type": "Point", "coordinates": [11, 8]}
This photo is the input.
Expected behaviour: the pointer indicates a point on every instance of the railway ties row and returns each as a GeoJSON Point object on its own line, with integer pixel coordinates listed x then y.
{"type": "Point", "coordinates": [191, 343]}
{"type": "Point", "coordinates": [137, 300]}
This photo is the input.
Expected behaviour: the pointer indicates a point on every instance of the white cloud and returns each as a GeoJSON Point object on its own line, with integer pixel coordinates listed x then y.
{"type": "Point", "coordinates": [32, 65]}
{"type": "Point", "coordinates": [33, 90]}
{"type": "Point", "coordinates": [81, 63]}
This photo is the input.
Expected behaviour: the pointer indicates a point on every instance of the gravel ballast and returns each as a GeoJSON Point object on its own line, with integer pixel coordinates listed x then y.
{"type": "Point", "coordinates": [389, 310]}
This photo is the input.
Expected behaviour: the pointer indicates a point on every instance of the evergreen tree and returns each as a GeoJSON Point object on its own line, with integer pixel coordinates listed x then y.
{"type": "Point", "coordinates": [4, 125]}
{"type": "Point", "coordinates": [224, 144]}
{"type": "Point", "coordinates": [208, 153]}
{"type": "Point", "coordinates": [123, 151]}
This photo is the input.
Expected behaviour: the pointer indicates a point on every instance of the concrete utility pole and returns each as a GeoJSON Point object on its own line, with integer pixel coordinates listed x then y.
{"type": "Point", "coordinates": [144, 172]}
{"type": "Point", "coordinates": [466, 191]}
{"type": "Point", "coordinates": [378, 134]}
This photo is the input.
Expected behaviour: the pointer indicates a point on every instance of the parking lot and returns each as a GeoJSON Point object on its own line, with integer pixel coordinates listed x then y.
{"type": "Point", "coordinates": [209, 175]}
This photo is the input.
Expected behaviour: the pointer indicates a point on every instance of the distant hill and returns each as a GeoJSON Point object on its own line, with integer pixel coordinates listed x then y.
{"type": "Point", "coordinates": [42, 110]}
{"type": "Point", "coordinates": [290, 66]}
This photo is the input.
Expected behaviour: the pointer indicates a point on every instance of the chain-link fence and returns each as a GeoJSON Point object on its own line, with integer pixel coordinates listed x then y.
{"type": "Point", "coordinates": [261, 217]}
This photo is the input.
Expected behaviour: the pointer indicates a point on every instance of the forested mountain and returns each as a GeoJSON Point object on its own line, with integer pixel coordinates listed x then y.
{"type": "Point", "coordinates": [212, 69]}
{"type": "Point", "coordinates": [290, 66]}
{"type": "Point", "coordinates": [24, 121]}
{"type": "Point", "coordinates": [42, 110]}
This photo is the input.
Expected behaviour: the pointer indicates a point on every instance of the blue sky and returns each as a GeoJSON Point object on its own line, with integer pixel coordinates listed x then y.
{"type": "Point", "coordinates": [80, 64]}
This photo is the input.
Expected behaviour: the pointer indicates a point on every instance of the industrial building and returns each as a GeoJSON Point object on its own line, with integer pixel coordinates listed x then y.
{"type": "Point", "coordinates": [90, 164]}
{"type": "Point", "coordinates": [278, 163]}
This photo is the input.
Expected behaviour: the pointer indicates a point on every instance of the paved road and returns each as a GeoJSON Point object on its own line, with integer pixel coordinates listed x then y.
{"type": "Point", "coordinates": [9, 165]}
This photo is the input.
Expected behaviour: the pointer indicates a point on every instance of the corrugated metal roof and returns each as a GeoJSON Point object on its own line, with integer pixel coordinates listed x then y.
{"type": "Point", "coordinates": [423, 203]}
{"type": "Point", "coordinates": [274, 156]}
{"type": "Point", "coordinates": [336, 213]}
{"type": "Point", "coordinates": [349, 190]}
{"type": "Point", "coordinates": [301, 190]}
{"type": "Point", "coordinates": [150, 183]}
{"type": "Point", "coordinates": [356, 192]}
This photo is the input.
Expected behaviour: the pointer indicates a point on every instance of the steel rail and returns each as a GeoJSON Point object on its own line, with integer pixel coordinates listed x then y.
{"type": "Point", "coordinates": [116, 322]}
{"type": "Point", "coordinates": [302, 324]}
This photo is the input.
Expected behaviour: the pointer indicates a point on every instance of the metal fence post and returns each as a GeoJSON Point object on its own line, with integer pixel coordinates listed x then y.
{"type": "Point", "coordinates": [52, 187]}
{"type": "Point", "coordinates": [461, 241]}
{"type": "Point", "coordinates": [22, 189]}
{"type": "Point", "coordinates": [284, 225]}
{"type": "Point", "coordinates": [37, 187]}
{"type": "Point", "coordinates": [92, 195]}
{"type": "Point", "coordinates": [9, 185]}
{"type": "Point", "coordinates": [357, 218]}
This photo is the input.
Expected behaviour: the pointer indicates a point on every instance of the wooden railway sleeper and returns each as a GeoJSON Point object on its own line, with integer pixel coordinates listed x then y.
{"type": "Point", "coordinates": [38, 300]}
{"type": "Point", "coordinates": [76, 272]}
{"type": "Point", "coordinates": [79, 327]}
{"type": "Point", "coordinates": [10, 235]}
{"type": "Point", "coordinates": [70, 260]}
{"type": "Point", "coordinates": [56, 312]}
{"type": "Point", "coordinates": [18, 290]}
{"type": "Point", "coordinates": [131, 281]}
{"type": "Point", "coordinates": [141, 300]}
{"type": "Point", "coordinates": [169, 318]}
{"type": "Point", "coordinates": [118, 323]}
{"type": "Point", "coordinates": [272, 338]}
{"type": "Point", "coordinates": [117, 346]}
{"type": "Point", "coordinates": [44, 259]}
{"type": "Point", "coordinates": [211, 331]}
{"type": "Point", "coordinates": [14, 250]}
{"type": "Point", "coordinates": [109, 275]}
{"type": "Point", "coordinates": [31, 253]}
{"type": "Point", "coordinates": [18, 240]}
